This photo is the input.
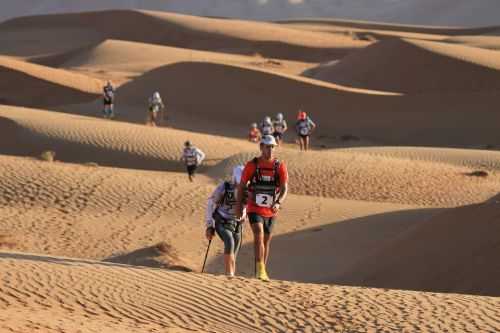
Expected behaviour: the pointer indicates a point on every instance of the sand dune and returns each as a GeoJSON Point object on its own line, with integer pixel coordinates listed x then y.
{"type": "Point", "coordinates": [84, 139]}
{"type": "Point", "coordinates": [355, 176]}
{"type": "Point", "coordinates": [461, 245]}
{"type": "Point", "coordinates": [71, 293]}
{"type": "Point", "coordinates": [123, 58]}
{"type": "Point", "coordinates": [155, 219]}
{"type": "Point", "coordinates": [34, 85]}
{"type": "Point", "coordinates": [339, 110]}
{"type": "Point", "coordinates": [474, 159]}
{"type": "Point", "coordinates": [241, 37]}
{"type": "Point", "coordinates": [485, 42]}
{"type": "Point", "coordinates": [332, 24]}
{"type": "Point", "coordinates": [435, 68]}
{"type": "Point", "coordinates": [368, 205]}
{"type": "Point", "coordinates": [49, 40]}
{"type": "Point", "coordinates": [446, 12]}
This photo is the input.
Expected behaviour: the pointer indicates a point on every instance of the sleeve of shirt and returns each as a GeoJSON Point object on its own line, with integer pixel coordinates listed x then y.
{"type": "Point", "coordinates": [213, 200]}
{"type": "Point", "coordinates": [311, 123]}
{"type": "Point", "coordinates": [201, 156]}
{"type": "Point", "coordinates": [283, 172]}
{"type": "Point", "coordinates": [247, 172]}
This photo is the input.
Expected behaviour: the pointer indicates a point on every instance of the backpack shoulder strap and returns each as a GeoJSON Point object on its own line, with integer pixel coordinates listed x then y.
{"type": "Point", "coordinates": [277, 164]}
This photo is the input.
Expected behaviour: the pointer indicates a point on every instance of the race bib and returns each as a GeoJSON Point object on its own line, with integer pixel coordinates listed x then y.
{"type": "Point", "coordinates": [264, 200]}
{"type": "Point", "coordinates": [304, 131]}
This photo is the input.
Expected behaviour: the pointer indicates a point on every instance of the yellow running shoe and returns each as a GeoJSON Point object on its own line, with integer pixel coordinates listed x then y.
{"type": "Point", "coordinates": [261, 272]}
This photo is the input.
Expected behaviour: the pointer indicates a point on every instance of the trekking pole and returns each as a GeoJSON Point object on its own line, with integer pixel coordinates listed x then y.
{"type": "Point", "coordinates": [206, 255]}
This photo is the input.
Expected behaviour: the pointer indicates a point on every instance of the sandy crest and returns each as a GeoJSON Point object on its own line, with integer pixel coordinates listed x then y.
{"type": "Point", "coordinates": [485, 42]}
{"type": "Point", "coordinates": [226, 107]}
{"type": "Point", "coordinates": [333, 24]}
{"type": "Point", "coordinates": [84, 139]}
{"type": "Point", "coordinates": [148, 300]}
{"type": "Point", "coordinates": [385, 178]}
{"type": "Point", "coordinates": [241, 37]}
{"type": "Point", "coordinates": [124, 58]}
{"type": "Point", "coordinates": [471, 158]}
{"type": "Point", "coordinates": [44, 86]}
{"type": "Point", "coordinates": [436, 68]}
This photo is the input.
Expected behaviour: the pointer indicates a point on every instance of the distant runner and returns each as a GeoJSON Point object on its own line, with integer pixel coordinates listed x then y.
{"type": "Point", "coordinates": [254, 133]}
{"type": "Point", "coordinates": [155, 108]}
{"type": "Point", "coordinates": [221, 218]}
{"type": "Point", "coordinates": [280, 127]}
{"type": "Point", "coordinates": [192, 157]}
{"type": "Point", "coordinates": [266, 127]}
{"type": "Point", "coordinates": [304, 127]}
{"type": "Point", "coordinates": [266, 179]}
{"type": "Point", "coordinates": [108, 95]}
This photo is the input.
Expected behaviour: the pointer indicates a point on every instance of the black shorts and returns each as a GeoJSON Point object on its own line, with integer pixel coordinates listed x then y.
{"type": "Point", "coordinates": [191, 169]}
{"type": "Point", "coordinates": [267, 222]}
{"type": "Point", "coordinates": [278, 135]}
{"type": "Point", "coordinates": [302, 136]}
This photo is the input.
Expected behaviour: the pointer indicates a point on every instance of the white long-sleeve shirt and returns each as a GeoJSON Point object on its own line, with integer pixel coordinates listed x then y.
{"type": "Point", "coordinates": [192, 156]}
{"type": "Point", "coordinates": [214, 203]}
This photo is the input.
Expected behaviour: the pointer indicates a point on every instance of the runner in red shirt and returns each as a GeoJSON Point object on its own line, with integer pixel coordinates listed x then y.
{"type": "Point", "coordinates": [267, 181]}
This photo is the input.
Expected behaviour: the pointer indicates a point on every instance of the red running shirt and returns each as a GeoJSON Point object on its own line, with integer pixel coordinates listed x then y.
{"type": "Point", "coordinates": [247, 175]}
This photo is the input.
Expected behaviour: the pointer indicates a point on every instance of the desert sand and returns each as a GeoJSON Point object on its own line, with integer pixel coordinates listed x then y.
{"type": "Point", "coordinates": [392, 221]}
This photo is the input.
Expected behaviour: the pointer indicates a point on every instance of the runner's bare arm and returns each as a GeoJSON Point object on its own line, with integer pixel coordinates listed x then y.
{"type": "Point", "coordinates": [281, 197]}
{"type": "Point", "coordinates": [239, 200]}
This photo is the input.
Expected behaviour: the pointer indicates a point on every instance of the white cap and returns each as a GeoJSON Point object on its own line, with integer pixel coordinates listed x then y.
{"type": "Point", "coordinates": [267, 120]}
{"type": "Point", "coordinates": [237, 172]}
{"type": "Point", "coordinates": [268, 140]}
{"type": "Point", "coordinates": [156, 95]}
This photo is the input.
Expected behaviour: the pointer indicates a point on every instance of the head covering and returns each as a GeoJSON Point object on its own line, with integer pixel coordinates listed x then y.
{"type": "Point", "coordinates": [302, 115]}
{"type": "Point", "coordinates": [279, 116]}
{"type": "Point", "coordinates": [237, 172]}
{"type": "Point", "coordinates": [268, 140]}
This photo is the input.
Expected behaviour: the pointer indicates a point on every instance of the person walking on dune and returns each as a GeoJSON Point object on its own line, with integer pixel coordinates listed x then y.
{"type": "Point", "coordinates": [266, 179]}
{"type": "Point", "coordinates": [155, 108]}
{"type": "Point", "coordinates": [221, 218]}
{"type": "Point", "coordinates": [304, 127]}
{"type": "Point", "coordinates": [266, 127]}
{"type": "Point", "coordinates": [280, 127]}
{"type": "Point", "coordinates": [192, 157]}
{"type": "Point", "coordinates": [254, 133]}
{"type": "Point", "coordinates": [108, 95]}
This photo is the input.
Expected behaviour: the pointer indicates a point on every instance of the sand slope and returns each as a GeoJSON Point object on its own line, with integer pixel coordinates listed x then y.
{"type": "Point", "coordinates": [121, 215]}
{"type": "Point", "coordinates": [124, 58]}
{"type": "Point", "coordinates": [435, 68]}
{"type": "Point", "coordinates": [485, 42]}
{"type": "Point", "coordinates": [231, 97]}
{"type": "Point", "coordinates": [34, 85]}
{"type": "Point", "coordinates": [351, 175]}
{"type": "Point", "coordinates": [242, 37]}
{"type": "Point", "coordinates": [70, 293]}
{"type": "Point", "coordinates": [453, 251]}
{"type": "Point", "coordinates": [84, 139]}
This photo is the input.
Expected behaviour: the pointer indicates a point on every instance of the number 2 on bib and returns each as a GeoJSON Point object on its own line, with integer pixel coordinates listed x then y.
{"type": "Point", "coordinates": [264, 200]}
